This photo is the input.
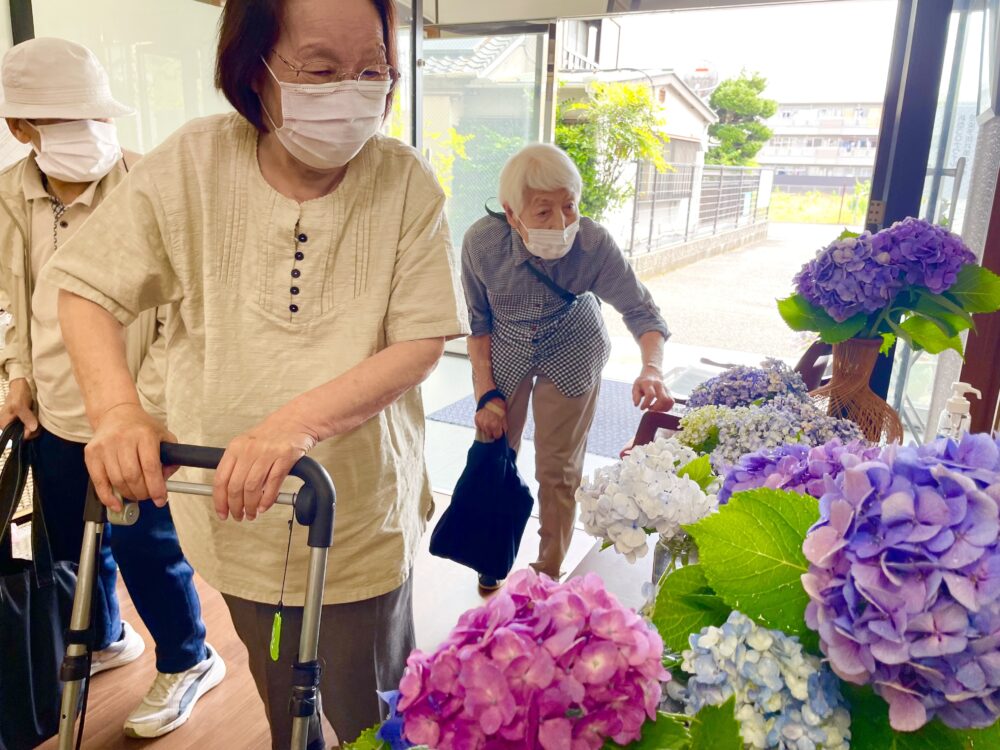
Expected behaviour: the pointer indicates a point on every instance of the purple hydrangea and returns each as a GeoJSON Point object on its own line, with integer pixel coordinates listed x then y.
{"type": "Point", "coordinates": [928, 255]}
{"type": "Point", "coordinates": [796, 468]}
{"type": "Point", "coordinates": [742, 386]}
{"type": "Point", "coordinates": [850, 276]}
{"type": "Point", "coordinates": [904, 580]}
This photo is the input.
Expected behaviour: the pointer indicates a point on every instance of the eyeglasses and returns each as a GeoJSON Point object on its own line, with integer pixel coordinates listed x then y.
{"type": "Point", "coordinates": [320, 73]}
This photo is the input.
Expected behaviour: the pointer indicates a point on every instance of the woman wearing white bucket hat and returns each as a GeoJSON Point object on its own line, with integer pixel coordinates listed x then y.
{"type": "Point", "coordinates": [57, 98]}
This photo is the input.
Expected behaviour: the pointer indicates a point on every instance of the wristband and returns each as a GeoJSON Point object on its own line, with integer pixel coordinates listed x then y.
{"type": "Point", "coordinates": [487, 397]}
{"type": "Point", "coordinates": [498, 410]}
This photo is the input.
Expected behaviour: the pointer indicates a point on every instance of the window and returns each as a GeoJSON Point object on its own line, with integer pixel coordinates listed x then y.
{"type": "Point", "coordinates": [476, 114]}
{"type": "Point", "coordinates": [160, 55]}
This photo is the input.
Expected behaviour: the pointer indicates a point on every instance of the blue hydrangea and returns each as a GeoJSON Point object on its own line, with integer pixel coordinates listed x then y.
{"type": "Point", "coordinates": [728, 434]}
{"type": "Point", "coordinates": [743, 386]}
{"type": "Point", "coordinates": [785, 698]}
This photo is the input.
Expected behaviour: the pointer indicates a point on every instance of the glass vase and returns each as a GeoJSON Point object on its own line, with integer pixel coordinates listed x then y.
{"type": "Point", "coordinates": [670, 554]}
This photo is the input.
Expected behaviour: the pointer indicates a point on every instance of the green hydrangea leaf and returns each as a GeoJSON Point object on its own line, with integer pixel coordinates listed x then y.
{"type": "Point", "coordinates": [870, 728]}
{"type": "Point", "coordinates": [716, 728]}
{"type": "Point", "coordinates": [927, 334]}
{"type": "Point", "coordinates": [951, 318]}
{"type": "Point", "coordinates": [976, 290]}
{"type": "Point", "coordinates": [684, 605]}
{"type": "Point", "coordinates": [982, 739]}
{"type": "Point", "coordinates": [751, 554]}
{"type": "Point", "coordinates": [888, 341]}
{"type": "Point", "coordinates": [700, 471]}
{"type": "Point", "coordinates": [801, 315]}
{"type": "Point", "coordinates": [366, 741]}
{"type": "Point", "coordinates": [668, 732]}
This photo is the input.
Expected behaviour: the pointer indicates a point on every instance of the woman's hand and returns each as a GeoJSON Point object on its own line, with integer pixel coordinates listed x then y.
{"type": "Point", "coordinates": [492, 422]}
{"type": "Point", "coordinates": [649, 392]}
{"type": "Point", "coordinates": [124, 455]}
{"type": "Point", "coordinates": [18, 406]}
{"type": "Point", "coordinates": [255, 464]}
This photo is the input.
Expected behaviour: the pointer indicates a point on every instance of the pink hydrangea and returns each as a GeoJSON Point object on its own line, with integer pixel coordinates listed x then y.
{"type": "Point", "coordinates": [546, 665]}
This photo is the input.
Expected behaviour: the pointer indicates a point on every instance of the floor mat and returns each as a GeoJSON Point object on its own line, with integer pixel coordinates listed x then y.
{"type": "Point", "coordinates": [615, 421]}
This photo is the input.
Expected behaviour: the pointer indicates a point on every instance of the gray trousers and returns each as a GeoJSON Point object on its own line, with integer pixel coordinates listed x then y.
{"type": "Point", "coordinates": [362, 648]}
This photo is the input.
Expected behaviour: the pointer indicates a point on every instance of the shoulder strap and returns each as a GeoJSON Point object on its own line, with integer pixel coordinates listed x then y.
{"type": "Point", "coordinates": [13, 475]}
{"type": "Point", "coordinates": [564, 294]}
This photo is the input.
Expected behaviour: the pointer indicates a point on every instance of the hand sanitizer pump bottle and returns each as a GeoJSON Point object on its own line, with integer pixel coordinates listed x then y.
{"type": "Point", "coordinates": [956, 417]}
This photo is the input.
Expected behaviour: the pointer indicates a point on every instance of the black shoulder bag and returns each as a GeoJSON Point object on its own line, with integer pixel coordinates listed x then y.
{"type": "Point", "coordinates": [36, 599]}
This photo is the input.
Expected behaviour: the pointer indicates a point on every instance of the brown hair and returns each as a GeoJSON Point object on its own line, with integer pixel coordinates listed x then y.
{"type": "Point", "coordinates": [248, 30]}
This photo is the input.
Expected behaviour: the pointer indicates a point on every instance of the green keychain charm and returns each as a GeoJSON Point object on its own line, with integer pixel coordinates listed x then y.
{"type": "Point", "coordinates": [276, 624]}
{"type": "Point", "coordinates": [276, 636]}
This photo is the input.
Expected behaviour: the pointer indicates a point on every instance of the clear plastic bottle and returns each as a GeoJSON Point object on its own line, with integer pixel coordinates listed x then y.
{"type": "Point", "coordinates": [956, 417]}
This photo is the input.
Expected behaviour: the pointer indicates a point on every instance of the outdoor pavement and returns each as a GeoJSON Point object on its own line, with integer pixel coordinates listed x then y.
{"type": "Point", "coordinates": [727, 303]}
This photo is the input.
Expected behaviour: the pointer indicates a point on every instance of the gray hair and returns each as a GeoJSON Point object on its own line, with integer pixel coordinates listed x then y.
{"type": "Point", "coordinates": [538, 166]}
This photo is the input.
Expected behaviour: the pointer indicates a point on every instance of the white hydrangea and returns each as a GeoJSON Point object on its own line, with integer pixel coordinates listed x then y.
{"type": "Point", "coordinates": [643, 494]}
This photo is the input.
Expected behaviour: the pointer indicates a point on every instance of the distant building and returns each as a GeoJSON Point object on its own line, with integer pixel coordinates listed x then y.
{"type": "Point", "coordinates": [686, 116]}
{"type": "Point", "coordinates": [823, 140]}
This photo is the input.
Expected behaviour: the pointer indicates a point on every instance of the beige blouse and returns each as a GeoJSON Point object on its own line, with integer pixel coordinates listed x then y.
{"type": "Point", "coordinates": [275, 298]}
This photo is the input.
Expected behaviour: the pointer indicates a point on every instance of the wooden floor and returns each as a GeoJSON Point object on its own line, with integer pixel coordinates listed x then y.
{"type": "Point", "coordinates": [231, 717]}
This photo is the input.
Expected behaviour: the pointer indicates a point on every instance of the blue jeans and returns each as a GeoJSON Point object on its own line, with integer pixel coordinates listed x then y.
{"type": "Point", "coordinates": [156, 573]}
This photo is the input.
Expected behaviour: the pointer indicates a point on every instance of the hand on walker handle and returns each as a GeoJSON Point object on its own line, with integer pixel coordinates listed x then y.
{"type": "Point", "coordinates": [18, 406]}
{"type": "Point", "coordinates": [255, 464]}
{"type": "Point", "coordinates": [124, 455]}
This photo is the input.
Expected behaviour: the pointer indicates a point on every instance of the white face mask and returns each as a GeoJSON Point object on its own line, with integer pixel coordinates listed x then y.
{"type": "Point", "coordinates": [325, 125]}
{"type": "Point", "coordinates": [551, 244]}
{"type": "Point", "coordinates": [77, 151]}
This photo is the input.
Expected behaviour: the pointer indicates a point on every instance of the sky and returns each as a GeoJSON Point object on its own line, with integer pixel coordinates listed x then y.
{"type": "Point", "coordinates": [835, 51]}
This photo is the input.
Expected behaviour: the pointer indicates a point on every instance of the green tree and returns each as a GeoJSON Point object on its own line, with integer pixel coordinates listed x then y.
{"type": "Point", "coordinates": [618, 124]}
{"type": "Point", "coordinates": [740, 131]}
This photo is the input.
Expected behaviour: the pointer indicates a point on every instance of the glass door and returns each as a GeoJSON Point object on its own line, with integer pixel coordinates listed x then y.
{"type": "Point", "coordinates": [482, 102]}
{"type": "Point", "coordinates": [958, 192]}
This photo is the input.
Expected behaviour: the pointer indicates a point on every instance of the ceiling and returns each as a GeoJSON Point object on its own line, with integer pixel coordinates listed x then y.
{"type": "Point", "coordinates": [448, 12]}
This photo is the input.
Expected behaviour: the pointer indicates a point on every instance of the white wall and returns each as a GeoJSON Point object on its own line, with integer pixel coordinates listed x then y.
{"type": "Point", "coordinates": [11, 150]}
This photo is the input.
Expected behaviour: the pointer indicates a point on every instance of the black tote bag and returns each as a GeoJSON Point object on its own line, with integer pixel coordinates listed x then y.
{"type": "Point", "coordinates": [482, 527]}
{"type": "Point", "coordinates": [36, 599]}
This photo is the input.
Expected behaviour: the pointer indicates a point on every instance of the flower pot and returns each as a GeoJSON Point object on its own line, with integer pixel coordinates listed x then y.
{"type": "Point", "coordinates": [670, 554]}
{"type": "Point", "coordinates": [848, 394]}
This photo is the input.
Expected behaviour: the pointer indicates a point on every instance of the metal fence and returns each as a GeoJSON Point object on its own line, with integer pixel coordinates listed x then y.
{"type": "Point", "coordinates": [691, 201]}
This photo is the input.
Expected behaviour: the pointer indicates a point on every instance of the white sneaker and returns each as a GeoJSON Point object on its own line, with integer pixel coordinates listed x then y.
{"type": "Point", "coordinates": [119, 653]}
{"type": "Point", "coordinates": [172, 697]}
